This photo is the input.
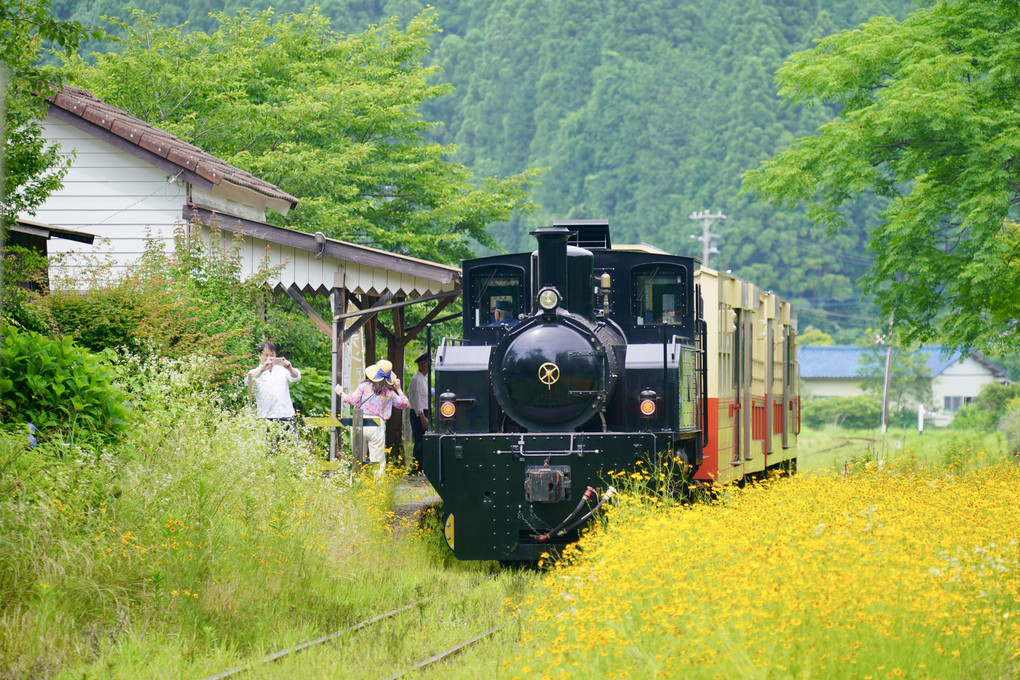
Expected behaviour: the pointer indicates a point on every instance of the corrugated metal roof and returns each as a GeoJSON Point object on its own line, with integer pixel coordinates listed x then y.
{"type": "Point", "coordinates": [846, 361]}
{"type": "Point", "coordinates": [829, 361]}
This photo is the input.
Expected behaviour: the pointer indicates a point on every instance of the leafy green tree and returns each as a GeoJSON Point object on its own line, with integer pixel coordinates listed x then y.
{"type": "Point", "coordinates": [909, 375]}
{"type": "Point", "coordinates": [929, 120]}
{"type": "Point", "coordinates": [30, 168]}
{"type": "Point", "coordinates": [332, 119]}
{"type": "Point", "coordinates": [813, 336]}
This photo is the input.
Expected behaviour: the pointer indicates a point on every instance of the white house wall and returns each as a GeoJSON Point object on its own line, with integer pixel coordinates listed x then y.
{"type": "Point", "coordinates": [113, 195]}
{"type": "Point", "coordinates": [963, 379]}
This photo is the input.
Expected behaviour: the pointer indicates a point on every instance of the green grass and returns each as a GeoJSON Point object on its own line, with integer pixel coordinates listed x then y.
{"type": "Point", "coordinates": [186, 549]}
{"type": "Point", "coordinates": [835, 449]}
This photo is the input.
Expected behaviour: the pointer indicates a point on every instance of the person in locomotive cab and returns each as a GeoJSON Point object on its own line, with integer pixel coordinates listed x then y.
{"type": "Point", "coordinates": [377, 396]}
{"type": "Point", "coordinates": [418, 396]}
{"type": "Point", "coordinates": [503, 314]}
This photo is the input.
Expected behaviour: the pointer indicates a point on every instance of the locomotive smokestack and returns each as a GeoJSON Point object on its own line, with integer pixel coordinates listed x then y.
{"type": "Point", "coordinates": [552, 257]}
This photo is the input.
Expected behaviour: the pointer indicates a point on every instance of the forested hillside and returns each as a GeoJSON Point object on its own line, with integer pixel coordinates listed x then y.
{"type": "Point", "coordinates": [644, 112]}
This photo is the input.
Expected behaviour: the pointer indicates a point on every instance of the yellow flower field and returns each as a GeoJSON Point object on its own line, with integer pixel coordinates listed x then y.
{"type": "Point", "coordinates": [871, 575]}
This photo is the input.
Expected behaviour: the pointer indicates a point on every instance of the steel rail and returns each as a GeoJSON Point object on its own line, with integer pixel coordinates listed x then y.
{"type": "Point", "coordinates": [276, 656]}
{"type": "Point", "coordinates": [449, 652]}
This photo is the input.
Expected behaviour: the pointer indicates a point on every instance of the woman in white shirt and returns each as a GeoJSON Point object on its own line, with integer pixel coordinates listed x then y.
{"type": "Point", "coordinates": [270, 381]}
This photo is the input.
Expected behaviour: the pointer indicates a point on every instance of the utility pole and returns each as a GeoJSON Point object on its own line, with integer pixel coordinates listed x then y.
{"type": "Point", "coordinates": [887, 378]}
{"type": "Point", "coordinates": [885, 388]}
{"type": "Point", "coordinates": [706, 238]}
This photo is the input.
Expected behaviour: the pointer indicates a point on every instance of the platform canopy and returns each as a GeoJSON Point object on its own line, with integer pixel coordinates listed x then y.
{"type": "Point", "coordinates": [360, 281]}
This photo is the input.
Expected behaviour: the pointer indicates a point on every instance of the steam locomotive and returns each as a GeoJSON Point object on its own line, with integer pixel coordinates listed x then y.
{"type": "Point", "coordinates": [611, 358]}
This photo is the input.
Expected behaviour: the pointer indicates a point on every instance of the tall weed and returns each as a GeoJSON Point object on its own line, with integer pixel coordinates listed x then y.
{"type": "Point", "coordinates": [186, 530]}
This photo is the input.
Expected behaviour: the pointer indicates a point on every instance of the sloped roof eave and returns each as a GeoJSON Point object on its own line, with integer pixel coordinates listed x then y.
{"type": "Point", "coordinates": [445, 275]}
{"type": "Point", "coordinates": [80, 108]}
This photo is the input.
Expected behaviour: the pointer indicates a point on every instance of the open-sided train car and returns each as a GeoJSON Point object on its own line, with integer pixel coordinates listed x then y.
{"type": "Point", "coordinates": [607, 361]}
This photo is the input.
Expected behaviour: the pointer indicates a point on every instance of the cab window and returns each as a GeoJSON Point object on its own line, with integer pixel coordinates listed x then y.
{"type": "Point", "coordinates": [496, 294]}
{"type": "Point", "coordinates": [660, 295]}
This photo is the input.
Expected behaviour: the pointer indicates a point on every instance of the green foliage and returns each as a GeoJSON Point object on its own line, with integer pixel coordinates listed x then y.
{"type": "Point", "coordinates": [961, 450]}
{"type": "Point", "coordinates": [814, 336]}
{"type": "Point", "coordinates": [295, 336]}
{"type": "Point", "coordinates": [185, 304]}
{"type": "Point", "coordinates": [927, 118]}
{"type": "Point", "coordinates": [1009, 363]}
{"type": "Point", "coordinates": [988, 408]}
{"type": "Point", "coordinates": [104, 317]}
{"type": "Point", "coordinates": [646, 112]}
{"type": "Point", "coordinates": [332, 119]}
{"type": "Point", "coordinates": [175, 307]}
{"type": "Point", "coordinates": [862, 412]}
{"type": "Point", "coordinates": [32, 168]}
{"type": "Point", "coordinates": [24, 275]}
{"type": "Point", "coordinates": [184, 549]}
{"type": "Point", "coordinates": [57, 384]}
{"type": "Point", "coordinates": [1009, 426]}
{"type": "Point", "coordinates": [311, 394]}
{"type": "Point", "coordinates": [643, 113]}
{"type": "Point", "coordinates": [909, 374]}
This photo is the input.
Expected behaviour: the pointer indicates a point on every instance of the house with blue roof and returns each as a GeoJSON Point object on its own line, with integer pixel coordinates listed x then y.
{"type": "Point", "coordinates": [956, 378]}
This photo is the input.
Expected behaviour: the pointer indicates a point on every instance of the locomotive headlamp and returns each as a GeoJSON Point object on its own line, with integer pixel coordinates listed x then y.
{"type": "Point", "coordinates": [447, 405]}
{"type": "Point", "coordinates": [647, 404]}
{"type": "Point", "coordinates": [548, 299]}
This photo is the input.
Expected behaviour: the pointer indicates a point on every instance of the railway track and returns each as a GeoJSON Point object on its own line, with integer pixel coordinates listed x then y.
{"type": "Point", "coordinates": [844, 442]}
{"type": "Point", "coordinates": [348, 633]}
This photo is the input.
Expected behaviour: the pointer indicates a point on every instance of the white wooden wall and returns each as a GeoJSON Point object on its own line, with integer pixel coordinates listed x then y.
{"type": "Point", "coordinates": [112, 195]}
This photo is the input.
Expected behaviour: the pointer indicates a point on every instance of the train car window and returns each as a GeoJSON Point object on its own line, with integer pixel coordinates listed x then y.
{"type": "Point", "coordinates": [660, 296]}
{"type": "Point", "coordinates": [496, 295]}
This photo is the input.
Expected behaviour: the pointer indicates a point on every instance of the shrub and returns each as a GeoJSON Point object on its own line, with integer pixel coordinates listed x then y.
{"type": "Point", "coordinates": [104, 317]}
{"type": "Point", "coordinates": [862, 412]}
{"type": "Point", "coordinates": [1009, 426]}
{"type": "Point", "coordinates": [185, 303]}
{"type": "Point", "coordinates": [855, 413]}
{"type": "Point", "coordinates": [987, 409]}
{"type": "Point", "coordinates": [311, 393]}
{"type": "Point", "coordinates": [24, 275]}
{"type": "Point", "coordinates": [56, 383]}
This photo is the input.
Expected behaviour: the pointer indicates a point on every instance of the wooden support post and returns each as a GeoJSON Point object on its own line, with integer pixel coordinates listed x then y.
{"type": "Point", "coordinates": [370, 332]}
{"type": "Point", "coordinates": [395, 354]}
{"type": "Point", "coordinates": [338, 302]}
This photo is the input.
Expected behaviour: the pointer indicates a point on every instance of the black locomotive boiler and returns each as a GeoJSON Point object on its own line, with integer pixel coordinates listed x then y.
{"type": "Point", "coordinates": [600, 365]}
